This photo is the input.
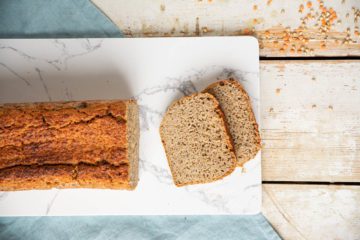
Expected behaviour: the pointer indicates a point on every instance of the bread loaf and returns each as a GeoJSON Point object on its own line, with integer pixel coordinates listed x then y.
{"type": "Point", "coordinates": [87, 144]}
{"type": "Point", "coordinates": [197, 144]}
{"type": "Point", "coordinates": [240, 119]}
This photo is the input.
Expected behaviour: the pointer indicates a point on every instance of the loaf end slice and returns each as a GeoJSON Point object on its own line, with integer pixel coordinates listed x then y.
{"type": "Point", "coordinates": [196, 141]}
{"type": "Point", "coordinates": [240, 119]}
{"type": "Point", "coordinates": [133, 135]}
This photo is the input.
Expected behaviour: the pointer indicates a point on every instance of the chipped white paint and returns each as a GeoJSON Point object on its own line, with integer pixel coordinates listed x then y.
{"type": "Point", "coordinates": [311, 120]}
{"type": "Point", "coordinates": [268, 20]}
{"type": "Point", "coordinates": [313, 211]}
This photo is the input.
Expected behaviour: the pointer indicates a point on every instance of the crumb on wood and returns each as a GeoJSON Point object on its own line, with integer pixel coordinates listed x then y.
{"type": "Point", "coordinates": [197, 26]}
{"type": "Point", "coordinates": [162, 7]}
{"type": "Point", "coordinates": [356, 15]}
{"type": "Point", "coordinates": [267, 34]}
{"type": "Point", "coordinates": [204, 29]}
{"type": "Point", "coordinates": [301, 8]}
{"type": "Point", "coordinates": [292, 50]}
{"type": "Point", "coordinates": [322, 45]}
{"type": "Point", "coordinates": [318, 17]}
{"type": "Point", "coordinates": [248, 31]}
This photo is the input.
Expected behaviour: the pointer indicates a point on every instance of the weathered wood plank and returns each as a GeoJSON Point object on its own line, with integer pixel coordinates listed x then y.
{"type": "Point", "coordinates": [302, 28]}
{"type": "Point", "coordinates": [313, 211]}
{"type": "Point", "coordinates": [311, 120]}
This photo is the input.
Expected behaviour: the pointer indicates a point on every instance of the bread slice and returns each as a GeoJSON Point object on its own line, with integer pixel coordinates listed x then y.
{"type": "Point", "coordinates": [240, 119]}
{"type": "Point", "coordinates": [196, 141]}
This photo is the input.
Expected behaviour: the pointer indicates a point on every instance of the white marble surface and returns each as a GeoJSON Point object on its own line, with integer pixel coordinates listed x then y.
{"type": "Point", "coordinates": [155, 71]}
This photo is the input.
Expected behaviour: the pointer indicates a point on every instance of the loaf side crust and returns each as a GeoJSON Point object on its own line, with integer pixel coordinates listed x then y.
{"type": "Point", "coordinates": [102, 175]}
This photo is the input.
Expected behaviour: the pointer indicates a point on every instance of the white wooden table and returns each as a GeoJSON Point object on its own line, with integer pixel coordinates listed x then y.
{"type": "Point", "coordinates": [310, 76]}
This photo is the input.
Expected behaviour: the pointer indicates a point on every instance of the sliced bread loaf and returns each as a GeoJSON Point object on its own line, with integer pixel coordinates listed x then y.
{"type": "Point", "coordinates": [197, 144]}
{"type": "Point", "coordinates": [240, 119]}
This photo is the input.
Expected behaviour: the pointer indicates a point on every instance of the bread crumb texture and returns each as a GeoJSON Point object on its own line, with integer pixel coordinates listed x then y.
{"type": "Point", "coordinates": [240, 119]}
{"type": "Point", "coordinates": [196, 141]}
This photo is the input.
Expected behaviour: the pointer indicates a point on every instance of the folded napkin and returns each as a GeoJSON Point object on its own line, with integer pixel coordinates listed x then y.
{"type": "Point", "coordinates": [253, 227]}
{"type": "Point", "coordinates": [54, 19]}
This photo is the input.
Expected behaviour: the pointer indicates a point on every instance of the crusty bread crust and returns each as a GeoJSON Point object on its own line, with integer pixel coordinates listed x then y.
{"type": "Point", "coordinates": [65, 144]}
{"type": "Point", "coordinates": [252, 115]}
{"type": "Point", "coordinates": [228, 140]}
{"type": "Point", "coordinates": [101, 175]}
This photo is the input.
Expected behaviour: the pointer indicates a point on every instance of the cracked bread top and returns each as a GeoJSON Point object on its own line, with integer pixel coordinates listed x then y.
{"type": "Point", "coordinates": [63, 133]}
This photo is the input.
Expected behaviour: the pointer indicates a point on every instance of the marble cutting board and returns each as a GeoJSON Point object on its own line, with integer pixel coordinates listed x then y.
{"type": "Point", "coordinates": [155, 71]}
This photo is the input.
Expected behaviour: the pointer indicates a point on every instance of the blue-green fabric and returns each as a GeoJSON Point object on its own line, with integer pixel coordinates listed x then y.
{"type": "Point", "coordinates": [80, 19]}
{"type": "Point", "coordinates": [54, 19]}
{"type": "Point", "coordinates": [137, 227]}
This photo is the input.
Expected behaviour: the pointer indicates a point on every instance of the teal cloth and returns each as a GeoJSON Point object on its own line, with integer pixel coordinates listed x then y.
{"type": "Point", "coordinates": [54, 19]}
{"type": "Point", "coordinates": [80, 19]}
{"type": "Point", "coordinates": [253, 227]}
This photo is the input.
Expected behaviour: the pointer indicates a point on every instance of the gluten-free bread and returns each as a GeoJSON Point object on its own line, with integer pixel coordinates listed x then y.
{"type": "Point", "coordinates": [197, 144]}
{"type": "Point", "coordinates": [239, 116]}
{"type": "Point", "coordinates": [87, 144]}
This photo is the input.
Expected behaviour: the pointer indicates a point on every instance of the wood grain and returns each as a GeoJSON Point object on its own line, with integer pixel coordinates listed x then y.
{"type": "Point", "coordinates": [311, 120]}
{"type": "Point", "coordinates": [313, 211]}
{"type": "Point", "coordinates": [302, 28]}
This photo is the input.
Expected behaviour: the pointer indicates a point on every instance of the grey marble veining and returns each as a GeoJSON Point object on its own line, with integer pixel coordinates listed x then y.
{"type": "Point", "coordinates": [51, 202]}
{"type": "Point", "coordinates": [74, 69]}
{"type": "Point", "coordinates": [15, 74]}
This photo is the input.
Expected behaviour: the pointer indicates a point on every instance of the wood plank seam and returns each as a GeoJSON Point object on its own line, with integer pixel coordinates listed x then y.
{"type": "Point", "coordinates": [315, 211]}
{"type": "Point", "coordinates": [312, 28]}
{"type": "Point", "coordinates": [314, 183]}
{"type": "Point", "coordinates": [282, 212]}
{"type": "Point", "coordinates": [311, 136]}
